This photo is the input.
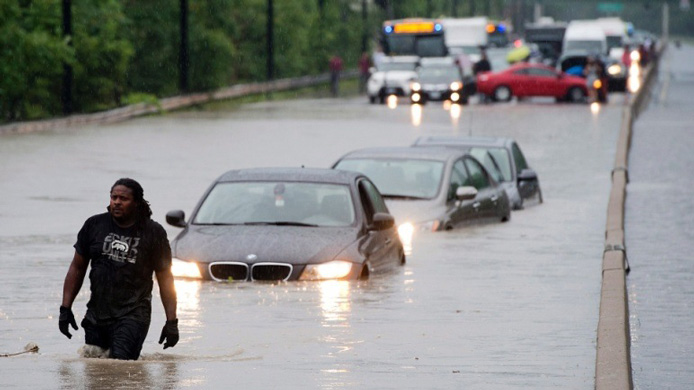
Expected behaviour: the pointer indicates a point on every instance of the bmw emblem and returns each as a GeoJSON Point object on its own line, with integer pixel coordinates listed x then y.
{"type": "Point", "coordinates": [251, 257]}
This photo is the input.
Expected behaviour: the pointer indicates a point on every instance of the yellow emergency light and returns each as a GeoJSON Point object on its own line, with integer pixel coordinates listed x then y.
{"type": "Point", "coordinates": [414, 27]}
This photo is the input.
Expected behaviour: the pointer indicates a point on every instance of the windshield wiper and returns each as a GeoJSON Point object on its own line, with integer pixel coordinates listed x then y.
{"type": "Point", "coordinates": [282, 223]}
{"type": "Point", "coordinates": [405, 197]}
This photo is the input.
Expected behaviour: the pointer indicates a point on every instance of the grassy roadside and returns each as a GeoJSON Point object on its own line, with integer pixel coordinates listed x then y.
{"type": "Point", "coordinates": [348, 88]}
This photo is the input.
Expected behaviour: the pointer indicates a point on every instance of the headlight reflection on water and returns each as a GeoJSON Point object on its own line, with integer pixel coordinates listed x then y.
{"type": "Point", "coordinates": [416, 114]}
{"type": "Point", "coordinates": [187, 294]}
{"type": "Point", "coordinates": [392, 101]}
{"type": "Point", "coordinates": [335, 302]}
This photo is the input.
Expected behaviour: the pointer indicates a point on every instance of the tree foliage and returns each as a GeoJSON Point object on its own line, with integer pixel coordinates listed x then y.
{"type": "Point", "coordinates": [123, 50]}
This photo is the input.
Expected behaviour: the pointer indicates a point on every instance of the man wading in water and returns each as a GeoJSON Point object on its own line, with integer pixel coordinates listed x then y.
{"type": "Point", "coordinates": [125, 246]}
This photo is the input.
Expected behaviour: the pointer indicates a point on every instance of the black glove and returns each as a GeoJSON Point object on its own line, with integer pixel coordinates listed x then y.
{"type": "Point", "coordinates": [170, 333]}
{"type": "Point", "coordinates": [66, 318]}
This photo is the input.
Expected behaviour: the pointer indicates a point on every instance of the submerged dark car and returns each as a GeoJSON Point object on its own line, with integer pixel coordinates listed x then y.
{"type": "Point", "coordinates": [433, 188]}
{"type": "Point", "coordinates": [280, 224]}
{"type": "Point", "coordinates": [503, 159]}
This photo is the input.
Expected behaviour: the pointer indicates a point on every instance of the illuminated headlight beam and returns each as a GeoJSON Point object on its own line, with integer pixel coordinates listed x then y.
{"type": "Point", "coordinates": [336, 269]}
{"type": "Point", "coordinates": [185, 269]}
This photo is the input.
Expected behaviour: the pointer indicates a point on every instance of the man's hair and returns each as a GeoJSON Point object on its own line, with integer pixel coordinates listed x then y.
{"type": "Point", "coordinates": [143, 212]}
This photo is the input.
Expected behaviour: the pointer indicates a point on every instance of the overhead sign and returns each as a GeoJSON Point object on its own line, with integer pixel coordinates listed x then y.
{"type": "Point", "coordinates": [610, 7]}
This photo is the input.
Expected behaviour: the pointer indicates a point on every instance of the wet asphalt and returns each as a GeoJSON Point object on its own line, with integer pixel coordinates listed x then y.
{"type": "Point", "coordinates": [498, 306]}
{"type": "Point", "coordinates": [659, 230]}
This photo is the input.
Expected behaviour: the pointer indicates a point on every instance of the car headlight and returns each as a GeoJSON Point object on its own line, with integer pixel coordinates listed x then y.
{"type": "Point", "coordinates": [415, 86]}
{"type": "Point", "coordinates": [614, 69]}
{"type": "Point", "coordinates": [185, 269]}
{"type": "Point", "coordinates": [335, 269]}
{"type": "Point", "coordinates": [456, 85]}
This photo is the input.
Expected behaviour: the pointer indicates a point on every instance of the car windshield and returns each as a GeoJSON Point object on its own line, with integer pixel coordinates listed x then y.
{"type": "Point", "coordinates": [438, 74]}
{"type": "Point", "coordinates": [277, 203]}
{"type": "Point", "coordinates": [586, 46]}
{"type": "Point", "coordinates": [390, 66]}
{"type": "Point", "coordinates": [399, 178]}
{"type": "Point", "coordinates": [496, 160]}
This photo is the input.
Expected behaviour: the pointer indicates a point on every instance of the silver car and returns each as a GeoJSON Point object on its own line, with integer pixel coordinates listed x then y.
{"type": "Point", "coordinates": [502, 157]}
{"type": "Point", "coordinates": [432, 188]}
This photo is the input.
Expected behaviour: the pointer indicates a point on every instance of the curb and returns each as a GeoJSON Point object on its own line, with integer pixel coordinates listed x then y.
{"type": "Point", "coordinates": [613, 359]}
{"type": "Point", "coordinates": [171, 104]}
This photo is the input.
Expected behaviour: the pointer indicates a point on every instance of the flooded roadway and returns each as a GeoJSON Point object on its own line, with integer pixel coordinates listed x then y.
{"type": "Point", "coordinates": [501, 306]}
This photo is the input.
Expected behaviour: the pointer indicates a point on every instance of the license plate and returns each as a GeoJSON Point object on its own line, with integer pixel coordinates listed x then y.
{"type": "Point", "coordinates": [391, 91]}
{"type": "Point", "coordinates": [435, 95]}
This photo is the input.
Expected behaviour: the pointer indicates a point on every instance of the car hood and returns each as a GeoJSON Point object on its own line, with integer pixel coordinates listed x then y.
{"type": "Point", "coordinates": [284, 244]}
{"type": "Point", "coordinates": [396, 76]}
{"type": "Point", "coordinates": [415, 211]}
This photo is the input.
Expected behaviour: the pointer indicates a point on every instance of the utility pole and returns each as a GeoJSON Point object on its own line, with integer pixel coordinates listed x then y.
{"type": "Point", "coordinates": [365, 27]}
{"type": "Point", "coordinates": [454, 8]}
{"type": "Point", "coordinates": [183, 57]}
{"type": "Point", "coordinates": [270, 41]}
{"type": "Point", "coordinates": [66, 92]}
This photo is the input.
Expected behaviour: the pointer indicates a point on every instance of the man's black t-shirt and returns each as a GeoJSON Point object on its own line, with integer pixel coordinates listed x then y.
{"type": "Point", "coordinates": [122, 263]}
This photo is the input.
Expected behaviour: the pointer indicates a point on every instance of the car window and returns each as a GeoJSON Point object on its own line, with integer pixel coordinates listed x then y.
{"type": "Point", "coordinates": [271, 202]}
{"type": "Point", "coordinates": [405, 178]}
{"type": "Point", "coordinates": [541, 72]}
{"type": "Point", "coordinates": [459, 177]}
{"type": "Point", "coordinates": [518, 158]}
{"type": "Point", "coordinates": [478, 178]}
{"type": "Point", "coordinates": [502, 158]}
{"type": "Point", "coordinates": [489, 162]}
{"type": "Point", "coordinates": [374, 197]}
{"type": "Point", "coordinates": [520, 72]}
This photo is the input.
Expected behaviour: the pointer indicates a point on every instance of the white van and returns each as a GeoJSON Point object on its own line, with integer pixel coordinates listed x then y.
{"type": "Point", "coordinates": [615, 30]}
{"type": "Point", "coordinates": [585, 36]}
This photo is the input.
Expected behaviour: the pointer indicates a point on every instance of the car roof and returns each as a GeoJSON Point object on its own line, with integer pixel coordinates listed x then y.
{"type": "Point", "coordinates": [435, 153]}
{"type": "Point", "coordinates": [448, 140]}
{"type": "Point", "coordinates": [313, 175]}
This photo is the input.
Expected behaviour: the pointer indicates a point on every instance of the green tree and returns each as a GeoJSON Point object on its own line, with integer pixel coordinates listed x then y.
{"type": "Point", "coordinates": [31, 61]}
{"type": "Point", "coordinates": [101, 53]}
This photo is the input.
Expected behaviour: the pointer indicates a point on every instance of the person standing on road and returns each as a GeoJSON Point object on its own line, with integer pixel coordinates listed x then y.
{"type": "Point", "coordinates": [124, 247]}
{"type": "Point", "coordinates": [482, 65]}
{"type": "Point", "coordinates": [335, 69]}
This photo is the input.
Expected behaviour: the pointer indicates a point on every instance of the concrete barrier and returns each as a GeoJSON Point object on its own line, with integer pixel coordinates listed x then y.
{"type": "Point", "coordinates": [170, 104]}
{"type": "Point", "coordinates": [613, 360]}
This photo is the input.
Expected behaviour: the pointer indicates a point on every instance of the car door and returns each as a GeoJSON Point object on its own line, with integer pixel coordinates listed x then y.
{"type": "Point", "coordinates": [526, 188]}
{"type": "Point", "coordinates": [543, 82]}
{"type": "Point", "coordinates": [487, 199]}
{"type": "Point", "coordinates": [459, 212]}
{"type": "Point", "coordinates": [382, 247]}
{"type": "Point", "coordinates": [520, 82]}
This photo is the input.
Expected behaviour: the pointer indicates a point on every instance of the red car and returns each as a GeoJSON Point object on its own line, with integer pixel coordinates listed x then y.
{"type": "Point", "coordinates": [528, 79]}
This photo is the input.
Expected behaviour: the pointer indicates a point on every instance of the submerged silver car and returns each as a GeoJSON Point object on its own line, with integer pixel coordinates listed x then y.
{"type": "Point", "coordinates": [502, 157]}
{"type": "Point", "coordinates": [433, 188]}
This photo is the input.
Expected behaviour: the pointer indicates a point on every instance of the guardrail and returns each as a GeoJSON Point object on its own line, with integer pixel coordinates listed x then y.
{"type": "Point", "coordinates": [171, 103]}
{"type": "Point", "coordinates": [613, 360]}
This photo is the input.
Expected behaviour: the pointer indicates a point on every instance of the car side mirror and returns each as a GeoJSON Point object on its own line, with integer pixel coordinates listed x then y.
{"type": "Point", "coordinates": [176, 218]}
{"type": "Point", "coordinates": [382, 221]}
{"type": "Point", "coordinates": [466, 193]}
{"type": "Point", "coordinates": [527, 174]}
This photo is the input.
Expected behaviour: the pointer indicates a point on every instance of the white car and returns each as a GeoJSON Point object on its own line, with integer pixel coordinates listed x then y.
{"type": "Point", "coordinates": [391, 76]}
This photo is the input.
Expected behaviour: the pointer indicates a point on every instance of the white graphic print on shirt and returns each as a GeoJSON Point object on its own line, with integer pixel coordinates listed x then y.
{"type": "Point", "coordinates": [121, 248]}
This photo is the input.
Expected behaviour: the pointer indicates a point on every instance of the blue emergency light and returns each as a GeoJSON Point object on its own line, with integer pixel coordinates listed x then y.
{"type": "Point", "coordinates": [438, 27]}
{"type": "Point", "coordinates": [501, 28]}
{"type": "Point", "coordinates": [388, 29]}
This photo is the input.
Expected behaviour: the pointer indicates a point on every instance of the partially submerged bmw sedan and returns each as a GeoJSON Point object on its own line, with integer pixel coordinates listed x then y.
{"type": "Point", "coordinates": [279, 224]}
